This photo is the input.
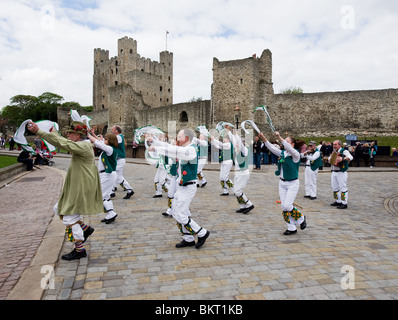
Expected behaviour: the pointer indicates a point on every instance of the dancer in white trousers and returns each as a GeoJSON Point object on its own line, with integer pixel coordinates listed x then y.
{"type": "Point", "coordinates": [242, 174]}
{"type": "Point", "coordinates": [121, 162]}
{"type": "Point", "coordinates": [288, 170]}
{"type": "Point", "coordinates": [202, 146]}
{"type": "Point", "coordinates": [226, 157]}
{"type": "Point", "coordinates": [312, 165]}
{"type": "Point", "coordinates": [107, 169]}
{"type": "Point", "coordinates": [186, 153]}
{"type": "Point", "coordinates": [339, 175]}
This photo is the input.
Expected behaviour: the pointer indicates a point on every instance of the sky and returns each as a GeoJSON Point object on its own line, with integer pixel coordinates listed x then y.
{"type": "Point", "coordinates": [317, 45]}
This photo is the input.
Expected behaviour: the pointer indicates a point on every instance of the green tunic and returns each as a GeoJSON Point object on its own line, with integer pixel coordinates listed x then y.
{"type": "Point", "coordinates": [81, 193]}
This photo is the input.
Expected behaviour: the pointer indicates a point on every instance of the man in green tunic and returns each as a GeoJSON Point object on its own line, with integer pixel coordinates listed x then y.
{"type": "Point", "coordinates": [81, 193]}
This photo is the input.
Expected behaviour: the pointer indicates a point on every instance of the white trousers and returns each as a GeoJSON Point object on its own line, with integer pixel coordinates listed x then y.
{"type": "Point", "coordinates": [201, 165]}
{"type": "Point", "coordinates": [171, 192]}
{"type": "Point", "coordinates": [160, 179]}
{"type": "Point", "coordinates": [107, 184]}
{"type": "Point", "coordinates": [119, 175]}
{"type": "Point", "coordinates": [311, 178]}
{"type": "Point", "coordinates": [240, 181]}
{"type": "Point", "coordinates": [287, 194]}
{"type": "Point", "coordinates": [339, 186]}
{"type": "Point", "coordinates": [224, 173]}
{"type": "Point", "coordinates": [77, 230]}
{"type": "Point", "coordinates": [181, 213]}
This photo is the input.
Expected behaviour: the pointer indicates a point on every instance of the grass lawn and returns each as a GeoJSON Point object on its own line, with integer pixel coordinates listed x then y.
{"type": "Point", "coordinates": [7, 161]}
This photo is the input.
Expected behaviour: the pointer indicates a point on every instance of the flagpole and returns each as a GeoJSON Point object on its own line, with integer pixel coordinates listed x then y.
{"type": "Point", "coordinates": [166, 38]}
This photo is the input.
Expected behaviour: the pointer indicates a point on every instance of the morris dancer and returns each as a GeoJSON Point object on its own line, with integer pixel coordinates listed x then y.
{"type": "Point", "coordinates": [81, 193]}
{"type": "Point", "coordinates": [288, 170]}
{"type": "Point", "coordinates": [160, 178]}
{"type": "Point", "coordinates": [225, 158]}
{"type": "Point", "coordinates": [339, 160]}
{"type": "Point", "coordinates": [202, 146]}
{"type": "Point", "coordinates": [186, 153]}
{"type": "Point", "coordinates": [242, 174]}
{"type": "Point", "coordinates": [312, 165]}
{"type": "Point", "coordinates": [107, 169]}
{"type": "Point", "coordinates": [121, 162]}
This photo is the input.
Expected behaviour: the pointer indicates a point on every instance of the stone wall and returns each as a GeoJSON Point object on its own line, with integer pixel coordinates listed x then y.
{"type": "Point", "coordinates": [336, 113]}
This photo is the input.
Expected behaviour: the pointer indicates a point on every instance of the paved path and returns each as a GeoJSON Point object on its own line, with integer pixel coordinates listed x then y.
{"type": "Point", "coordinates": [245, 257]}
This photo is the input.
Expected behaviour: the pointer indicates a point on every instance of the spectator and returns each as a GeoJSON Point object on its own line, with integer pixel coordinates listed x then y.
{"type": "Point", "coordinates": [135, 148]}
{"type": "Point", "coordinates": [358, 153]}
{"type": "Point", "coordinates": [12, 143]}
{"type": "Point", "coordinates": [372, 153]}
{"type": "Point", "coordinates": [365, 153]}
{"type": "Point", "coordinates": [257, 152]}
{"type": "Point", "coordinates": [394, 152]}
{"type": "Point", "coordinates": [24, 157]}
{"type": "Point", "coordinates": [265, 154]}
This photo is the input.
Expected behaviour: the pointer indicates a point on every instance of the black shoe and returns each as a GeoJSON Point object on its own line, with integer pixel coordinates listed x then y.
{"type": "Point", "coordinates": [74, 255]}
{"type": "Point", "coordinates": [312, 198]}
{"type": "Point", "coordinates": [342, 206]}
{"type": "Point", "coordinates": [248, 209]}
{"type": "Point", "coordinates": [240, 210]}
{"type": "Point", "coordinates": [108, 221]}
{"type": "Point", "coordinates": [157, 196]}
{"type": "Point", "coordinates": [113, 195]}
{"type": "Point", "coordinates": [307, 196]}
{"type": "Point", "coordinates": [184, 243]}
{"type": "Point", "coordinates": [224, 194]}
{"type": "Point", "coordinates": [87, 233]}
{"type": "Point", "coordinates": [288, 232]}
{"type": "Point", "coordinates": [335, 204]}
{"type": "Point", "coordinates": [128, 195]}
{"type": "Point", "coordinates": [303, 224]}
{"type": "Point", "coordinates": [203, 185]}
{"type": "Point", "coordinates": [166, 214]}
{"type": "Point", "coordinates": [202, 240]}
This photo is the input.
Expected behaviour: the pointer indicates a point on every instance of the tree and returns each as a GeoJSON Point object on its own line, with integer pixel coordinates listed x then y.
{"type": "Point", "coordinates": [25, 107]}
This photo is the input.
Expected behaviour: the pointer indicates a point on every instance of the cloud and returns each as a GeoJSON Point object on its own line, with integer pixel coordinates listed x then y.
{"type": "Point", "coordinates": [317, 45]}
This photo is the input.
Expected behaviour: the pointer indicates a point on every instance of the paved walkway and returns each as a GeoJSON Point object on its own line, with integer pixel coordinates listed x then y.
{"type": "Point", "coordinates": [343, 254]}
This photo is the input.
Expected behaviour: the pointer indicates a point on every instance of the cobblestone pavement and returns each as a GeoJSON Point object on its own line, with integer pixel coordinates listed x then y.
{"type": "Point", "coordinates": [342, 254]}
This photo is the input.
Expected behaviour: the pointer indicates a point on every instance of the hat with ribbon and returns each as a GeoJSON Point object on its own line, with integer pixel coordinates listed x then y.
{"type": "Point", "coordinates": [77, 127]}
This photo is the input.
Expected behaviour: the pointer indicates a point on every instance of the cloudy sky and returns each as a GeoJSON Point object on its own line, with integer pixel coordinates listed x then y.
{"type": "Point", "coordinates": [318, 45]}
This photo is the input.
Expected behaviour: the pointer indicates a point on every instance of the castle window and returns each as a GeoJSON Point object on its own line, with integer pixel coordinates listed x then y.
{"type": "Point", "coordinates": [241, 81]}
{"type": "Point", "coordinates": [116, 63]}
{"type": "Point", "coordinates": [121, 50]}
{"type": "Point", "coordinates": [131, 50]}
{"type": "Point", "coordinates": [161, 88]}
{"type": "Point", "coordinates": [183, 117]}
{"type": "Point", "coordinates": [115, 83]}
{"type": "Point", "coordinates": [169, 78]}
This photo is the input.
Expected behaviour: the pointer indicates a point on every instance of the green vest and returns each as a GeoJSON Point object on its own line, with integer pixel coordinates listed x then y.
{"type": "Point", "coordinates": [290, 168]}
{"type": "Point", "coordinates": [344, 168]}
{"type": "Point", "coordinates": [317, 163]}
{"type": "Point", "coordinates": [109, 162]}
{"type": "Point", "coordinates": [121, 151]}
{"type": "Point", "coordinates": [228, 155]}
{"type": "Point", "coordinates": [189, 169]}
{"type": "Point", "coordinates": [173, 168]}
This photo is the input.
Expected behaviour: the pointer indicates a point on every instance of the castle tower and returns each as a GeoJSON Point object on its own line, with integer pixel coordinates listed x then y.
{"type": "Point", "coordinates": [245, 83]}
{"type": "Point", "coordinates": [100, 79]}
{"type": "Point", "coordinates": [151, 79]}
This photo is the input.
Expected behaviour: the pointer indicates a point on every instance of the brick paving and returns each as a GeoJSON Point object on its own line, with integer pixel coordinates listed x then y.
{"type": "Point", "coordinates": [246, 256]}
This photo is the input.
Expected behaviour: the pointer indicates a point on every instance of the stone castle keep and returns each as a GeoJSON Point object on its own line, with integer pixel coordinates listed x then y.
{"type": "Point", "coordinates": [133, 91]}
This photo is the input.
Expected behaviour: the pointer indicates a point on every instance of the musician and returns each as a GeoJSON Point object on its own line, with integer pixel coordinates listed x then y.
{"type": "Point", "coordinates": [339, 160]}
{"type": "Point", "coordinates": [312, 165]}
